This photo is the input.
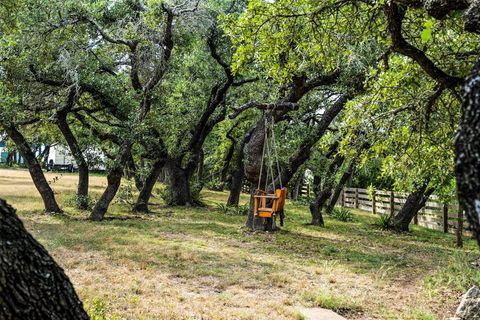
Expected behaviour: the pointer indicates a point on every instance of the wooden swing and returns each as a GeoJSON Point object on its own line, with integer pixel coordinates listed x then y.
{"type": "Point", "coordinates": [269, 204]}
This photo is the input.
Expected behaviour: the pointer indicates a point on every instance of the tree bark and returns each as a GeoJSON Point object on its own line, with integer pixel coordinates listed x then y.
{"type": "Point", "coordinates": [142, 201]}
{"type": "Point", "coordinates": [32, 285]}
{"type": "Point", "coordinates": [467, 149]}
{"type": "Point", "coordinates": [414, 202]}
{"type": "Point", "coordinates": [83, 172]}
{"type": "Point", "coordinates": [114, 178]}
{"type": "Point", "coordinates": [35, 170]}
{"type": "Point", "coordinates": [179, 183]}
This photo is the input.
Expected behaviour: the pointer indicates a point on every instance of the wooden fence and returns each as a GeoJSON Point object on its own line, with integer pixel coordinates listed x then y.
{"type": "Point", "coordinates": [434, 215]}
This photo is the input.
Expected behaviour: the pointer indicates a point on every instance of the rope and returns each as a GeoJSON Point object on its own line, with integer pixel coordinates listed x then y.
{"type": "Point", "coordinates": [276, 155]}
{"type": "Point", "coordinates": [270, 162]}
{"type": "Point", "coordinates": [261, 164]}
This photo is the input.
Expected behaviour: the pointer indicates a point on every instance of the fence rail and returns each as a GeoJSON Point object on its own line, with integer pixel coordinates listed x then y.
{"type": "Point", "coordinates": [434, 215]}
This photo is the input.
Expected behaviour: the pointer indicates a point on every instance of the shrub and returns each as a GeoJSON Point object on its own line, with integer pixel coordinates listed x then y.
{"type": "Point", "coordinates": [125, 195]}
{"type": "Point", "coordinates": [342, 214]}
{"type": "Point", "coordinates": [77, 201]}
{"type": "Point", "coordinates": [383, 221]}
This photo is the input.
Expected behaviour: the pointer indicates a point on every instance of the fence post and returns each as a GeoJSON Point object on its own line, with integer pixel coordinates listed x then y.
{"type": "Point", "coordinates": [374, 203]}
{"type": "Point", "coordinates": [460, 227]}
{"type": "Point", "coordinates": [343, 197]}
{"type": "Point", "coordinates": [445, 218]}
{"type": "Point", "coordinates": [392, 203]}
{"type": "Point", "coordinates": [356, 198]}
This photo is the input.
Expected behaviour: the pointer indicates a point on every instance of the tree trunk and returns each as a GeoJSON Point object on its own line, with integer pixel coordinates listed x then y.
{"type": "Point", "coordinates": [179, 183]}
{"type": "Point", "coordinates": [326, 191]}
{"type": "Point", "coordinates": [467, 145]}
{"type": "Point", "coordinates": [238, 174]}
{"type": "Point", "coordinates": [339, 187]}
{"type": "Point", "coordinates": [142, 201]}
{"type": "Point", "coordinates": [35, 170]}
{"type": "Point", "coordinates": [32, 285]}
{"type": "Point", "coordinates": [83, 172]}
{"type": "Point", "coordinates": [415, 201]}
{"type": "Point", "coordinates": [114, 178]}
{"type": "Point", "coordinates": [226, 165]}
{"type": "Point", "coordinates": [200, 168]}
{"type": "Point", "coordinates": [316, 206]}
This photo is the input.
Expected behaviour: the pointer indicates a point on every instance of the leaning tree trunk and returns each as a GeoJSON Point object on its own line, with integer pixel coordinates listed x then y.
{"type": "Point", "coordinates": [467, 145]}
{"type": "Point", "coordinates": [83, 172]}
{"type": "Point", "coordinates": [35, 170]}
{"type": "Point", "coordinates": [142, 201]}
{"type": "Point", "coordinates": [238, 174]}
{"type": "Point", "coordinates": [114, 178]}
{"type": "Point", "coordinates": [316, 207]}
{"type": "Point", "coordinates": [32, 285]}
{"type": "Point", "coordinates": [414, 202]}
{"type": "Point", "coordinates": [324, 194]}
{"type": "Point", "coordinates": [339, 187]}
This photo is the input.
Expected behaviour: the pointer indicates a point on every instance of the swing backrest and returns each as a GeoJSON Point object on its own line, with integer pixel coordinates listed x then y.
{"type": "Point", "coordinates": [279, 202]}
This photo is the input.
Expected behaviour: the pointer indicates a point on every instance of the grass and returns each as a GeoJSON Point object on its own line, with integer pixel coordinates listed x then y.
{"type": "Point", "coordinates": [184, 263]}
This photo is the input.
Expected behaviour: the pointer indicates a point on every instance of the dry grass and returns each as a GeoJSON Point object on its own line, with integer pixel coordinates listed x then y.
{"type": "Point", "coordinates": [197, 263]}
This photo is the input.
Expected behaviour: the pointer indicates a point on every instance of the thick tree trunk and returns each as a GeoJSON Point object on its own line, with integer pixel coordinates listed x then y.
{"type": "Point", "coordinates": [179, 183]}
{"type": "Point", "coordinates": [83, 172]}
{"type": "Point", "coordinates": [32, 285]}
{"type": "Point", "coordinates": [316, 206]}
{"type": "Point", "coordinates": [414, 202]}
{"type": "Point", "coordinates": [238, 174]}
{"type": "Point", "coordinates": [114, 178]}
{"type": "Point", "coordinates": [35, 170]}
{"type": "Point", "coordinates": [142, 201]}
{"type": "Point", "coordinates": [339, 187]}
{"type": "Point", "coordinates": [467, 145]}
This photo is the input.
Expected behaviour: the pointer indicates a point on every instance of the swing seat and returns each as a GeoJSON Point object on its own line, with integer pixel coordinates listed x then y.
{"type": "Point", "coordinates": [265, 205]}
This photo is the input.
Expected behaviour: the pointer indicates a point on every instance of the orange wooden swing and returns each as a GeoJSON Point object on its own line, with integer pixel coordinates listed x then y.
{"type": "Point", "coordinates": [269, 204]}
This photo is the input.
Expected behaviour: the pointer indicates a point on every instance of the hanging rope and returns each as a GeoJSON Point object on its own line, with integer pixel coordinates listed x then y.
{"type": "Point", "coordinates": [261, 167]}
{"type": "Point", "coordinates": [269, 151]}
{"type": "Point", "coordinates": [276, 155]}
{"type": "Point", "coordinates": [270, 160]}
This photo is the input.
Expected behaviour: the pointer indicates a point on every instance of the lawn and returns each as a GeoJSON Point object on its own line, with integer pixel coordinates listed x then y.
{"type": "Point", "coordinates": [200, 263]}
